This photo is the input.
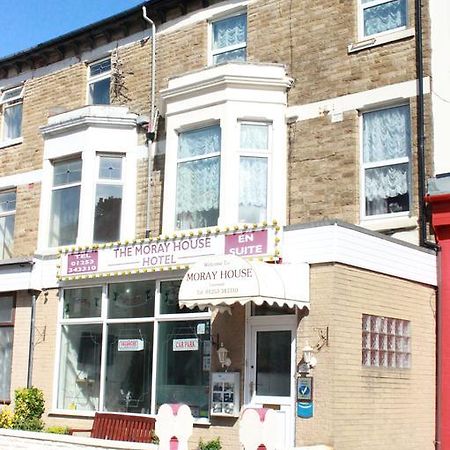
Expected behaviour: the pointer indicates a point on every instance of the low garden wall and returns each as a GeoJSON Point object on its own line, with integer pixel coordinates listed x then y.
{"type": "Point", "coordinates": [21, 440]}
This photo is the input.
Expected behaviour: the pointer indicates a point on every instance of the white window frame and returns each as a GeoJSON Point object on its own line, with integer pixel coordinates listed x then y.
{"type": "Point", "coordinates": [198, 158]}
{"type": "Point", "coordinates": [10, 102]}
{"type": "Point", "coordinates": [211, 52]}
{"type": "Point", "coordinates": [110, 182]}
{"type": "Point", "coordinates": [9, 324]}
{"type": "Point", "coordinates": [66, 186]}
{"type": "Point", "coordinates": [8, 213]}
{"type": "Point", "coordinates": [89, 179]}
{"type": "Point", "coordinates": [96, 78]}
{"type": "Point", "coordinates": [258, 153]}
{"type": "Point", "coordinates": [362, 7]}
{"type": "Point", "coordinates": [105, 321]}
{"type": "Point", "coordinates": [383, 163]}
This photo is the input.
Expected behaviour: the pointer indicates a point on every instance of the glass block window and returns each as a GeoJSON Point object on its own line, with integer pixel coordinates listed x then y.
{"type": "Point", "coordinates": [386, 342]}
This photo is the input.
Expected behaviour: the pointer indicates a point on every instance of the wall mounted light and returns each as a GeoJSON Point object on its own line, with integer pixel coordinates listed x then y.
{"type": "Point", "coordinates": [222, 354]}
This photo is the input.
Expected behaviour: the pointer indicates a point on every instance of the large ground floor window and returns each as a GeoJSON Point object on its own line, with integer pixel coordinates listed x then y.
{"type": "Point", "coordinates": [128, 347]}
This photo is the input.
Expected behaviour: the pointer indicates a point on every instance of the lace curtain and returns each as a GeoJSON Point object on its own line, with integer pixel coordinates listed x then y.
{"type": "Point", "coordinates": [197, 196]}
{"type": "Point", "coordinates": [231, 31]}
{"type": "Point", "coordinates": [252, 189]}
{"type": "Point", "coordinates": [254, 136]}
{"type": "Point", "coordinates": [387, 136]}
{"type": "Point", "coordinates": [384, 17]}
{"type": "Point", "coordinates": [6, 338]}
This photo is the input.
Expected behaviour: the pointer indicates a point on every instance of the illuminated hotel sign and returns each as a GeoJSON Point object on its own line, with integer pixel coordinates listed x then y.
{"type": "Point", "coordinates": [164, 253]}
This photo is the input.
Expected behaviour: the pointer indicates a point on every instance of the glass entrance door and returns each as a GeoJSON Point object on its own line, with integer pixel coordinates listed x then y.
{"type": "Point", "coordinates": [270, 370]}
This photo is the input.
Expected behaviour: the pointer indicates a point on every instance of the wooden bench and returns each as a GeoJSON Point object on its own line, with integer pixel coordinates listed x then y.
{"type": "Point", "coordinates": [121, 427]}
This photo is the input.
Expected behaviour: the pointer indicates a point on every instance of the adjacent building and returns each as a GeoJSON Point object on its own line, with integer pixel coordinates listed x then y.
{"type": "Point", "coordinates": [197, 195]}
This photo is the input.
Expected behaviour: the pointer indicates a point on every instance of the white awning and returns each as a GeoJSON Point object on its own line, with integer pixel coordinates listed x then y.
{"type": "Point", "coordinates": [220, 281]}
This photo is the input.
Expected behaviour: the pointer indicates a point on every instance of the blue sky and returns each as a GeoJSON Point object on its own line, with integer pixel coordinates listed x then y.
{"type": "Point", "coordinates": [26, 23]}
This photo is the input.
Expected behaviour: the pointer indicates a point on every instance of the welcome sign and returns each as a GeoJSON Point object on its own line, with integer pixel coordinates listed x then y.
{"type": "Point", "coordinates": [164, 253]}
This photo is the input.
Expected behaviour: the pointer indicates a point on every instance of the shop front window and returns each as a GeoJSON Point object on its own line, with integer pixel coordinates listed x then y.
{"type": "Point", "coordinates": [133, 327]}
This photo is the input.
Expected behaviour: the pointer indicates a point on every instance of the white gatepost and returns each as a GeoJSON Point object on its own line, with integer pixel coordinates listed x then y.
{"type": "Point", "coordinates": [174, 424]}
{"type": "Point", "coordinates": [259, 429]}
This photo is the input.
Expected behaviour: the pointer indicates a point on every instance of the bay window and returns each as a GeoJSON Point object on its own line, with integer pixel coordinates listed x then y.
{"type": "Point", "coordinates": [11, 100]}
{"type": "Point", "coordinates": [103, 194]}
{"type": "Point", "coordinates": [6, 345]}
{"type": "Point", "coordinates": [119, 352]}
{"type": "Point", "coordinates": [7, 220]}
{"type": "Point", "coordinates": [229, 39]}
{"type": "Point", "coordinates": [386, 150]}
{"type": "Point", "coordinates": [379, 16]}
{"type": "Point", "coordinates": [198, 178]}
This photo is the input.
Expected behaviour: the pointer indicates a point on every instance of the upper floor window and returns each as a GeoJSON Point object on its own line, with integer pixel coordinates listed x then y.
{"type": "Point", "coordinates": [67, 220]}
{"type": "Point", "coordinates": [12, 113]}
{"type": "Point", "coordinates": [108, 199]}
{"type": "Point", "coordinates": [6, 344]}
{"type": "Point", "coordinates": [99, 81]}
{"type": "Point", "coordinates": [198, 178]}
{"type": "Point", "coordinates": [379, 16]}
{"type": "Point", "coordinates": [229, 39]}
{"type": "Point", "coordinates": [65, 202]}
{"type": "Point", "coordinates": [386, 160]}
{"type": "Point", "coordinates": [253, 167]}
{"type": "Point", "coordinates": [7, 219]}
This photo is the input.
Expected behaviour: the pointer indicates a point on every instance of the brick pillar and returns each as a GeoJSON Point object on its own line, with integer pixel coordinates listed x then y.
{"type": "Point", "coordinates": [440, 207]}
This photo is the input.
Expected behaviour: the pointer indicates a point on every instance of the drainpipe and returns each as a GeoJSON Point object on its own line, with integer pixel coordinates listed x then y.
{"type": "Point", "coordinates": [32, 339]}
{"type": "Point", "coordinates": [152, 125]}
{"type": "Point", "coordinates": [424, 242]}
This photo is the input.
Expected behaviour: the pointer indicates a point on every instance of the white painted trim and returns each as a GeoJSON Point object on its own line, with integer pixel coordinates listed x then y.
{"type": "Point", "coordinates": [347, 245]}
{"type": "Point", "coordinates": [392, 93]}
{"type": "Point", "coordinates": [19, 179]}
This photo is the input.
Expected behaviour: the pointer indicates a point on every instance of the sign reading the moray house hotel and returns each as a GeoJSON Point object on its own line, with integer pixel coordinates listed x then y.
{"type": "Point", "coordinates": [160, 253]}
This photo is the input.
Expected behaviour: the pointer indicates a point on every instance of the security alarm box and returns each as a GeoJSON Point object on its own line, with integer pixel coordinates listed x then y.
{"type": "Point", "coordinates": [225, 394]}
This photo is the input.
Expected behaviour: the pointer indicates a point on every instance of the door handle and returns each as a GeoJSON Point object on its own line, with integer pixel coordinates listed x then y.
{"type": "Point", "coordinates": [252, 388]}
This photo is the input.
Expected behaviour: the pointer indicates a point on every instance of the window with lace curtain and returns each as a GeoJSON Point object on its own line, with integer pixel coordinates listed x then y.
{"type": "Point", "coordinates": [229, 39]}
{"type": "Point", "coordinates": [381, 16]}
{"type": "Point", "coordinates": [386, 150]}
{"type": "Point", "coordinates": [198, 178]}
{"type": "Point", "coordinates": [6, 344]}
{"type": "Point", "coordinates": [253, 166]}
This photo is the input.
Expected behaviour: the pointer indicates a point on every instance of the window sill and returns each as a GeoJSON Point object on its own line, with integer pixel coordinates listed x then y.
{"type": "Point", "coordinates": [380, 40]}
{"type": "Point", "coordinates": [389, 223]}
{"type": "Point", "coordinates": [11, 142]}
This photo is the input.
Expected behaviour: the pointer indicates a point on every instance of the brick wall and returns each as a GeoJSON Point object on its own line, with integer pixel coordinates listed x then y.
{"type": "Point", "coordinates": [358, 407]}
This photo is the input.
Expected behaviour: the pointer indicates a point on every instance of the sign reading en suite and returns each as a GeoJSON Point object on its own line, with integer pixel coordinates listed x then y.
{"type": "Point", "coordinates": [167, 253]}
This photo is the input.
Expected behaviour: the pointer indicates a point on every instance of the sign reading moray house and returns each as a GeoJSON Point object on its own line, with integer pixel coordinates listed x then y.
{"type": "Point", "coordinates": [160, 253]}
{"type": "Point", "coordinates": [220, 277]}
